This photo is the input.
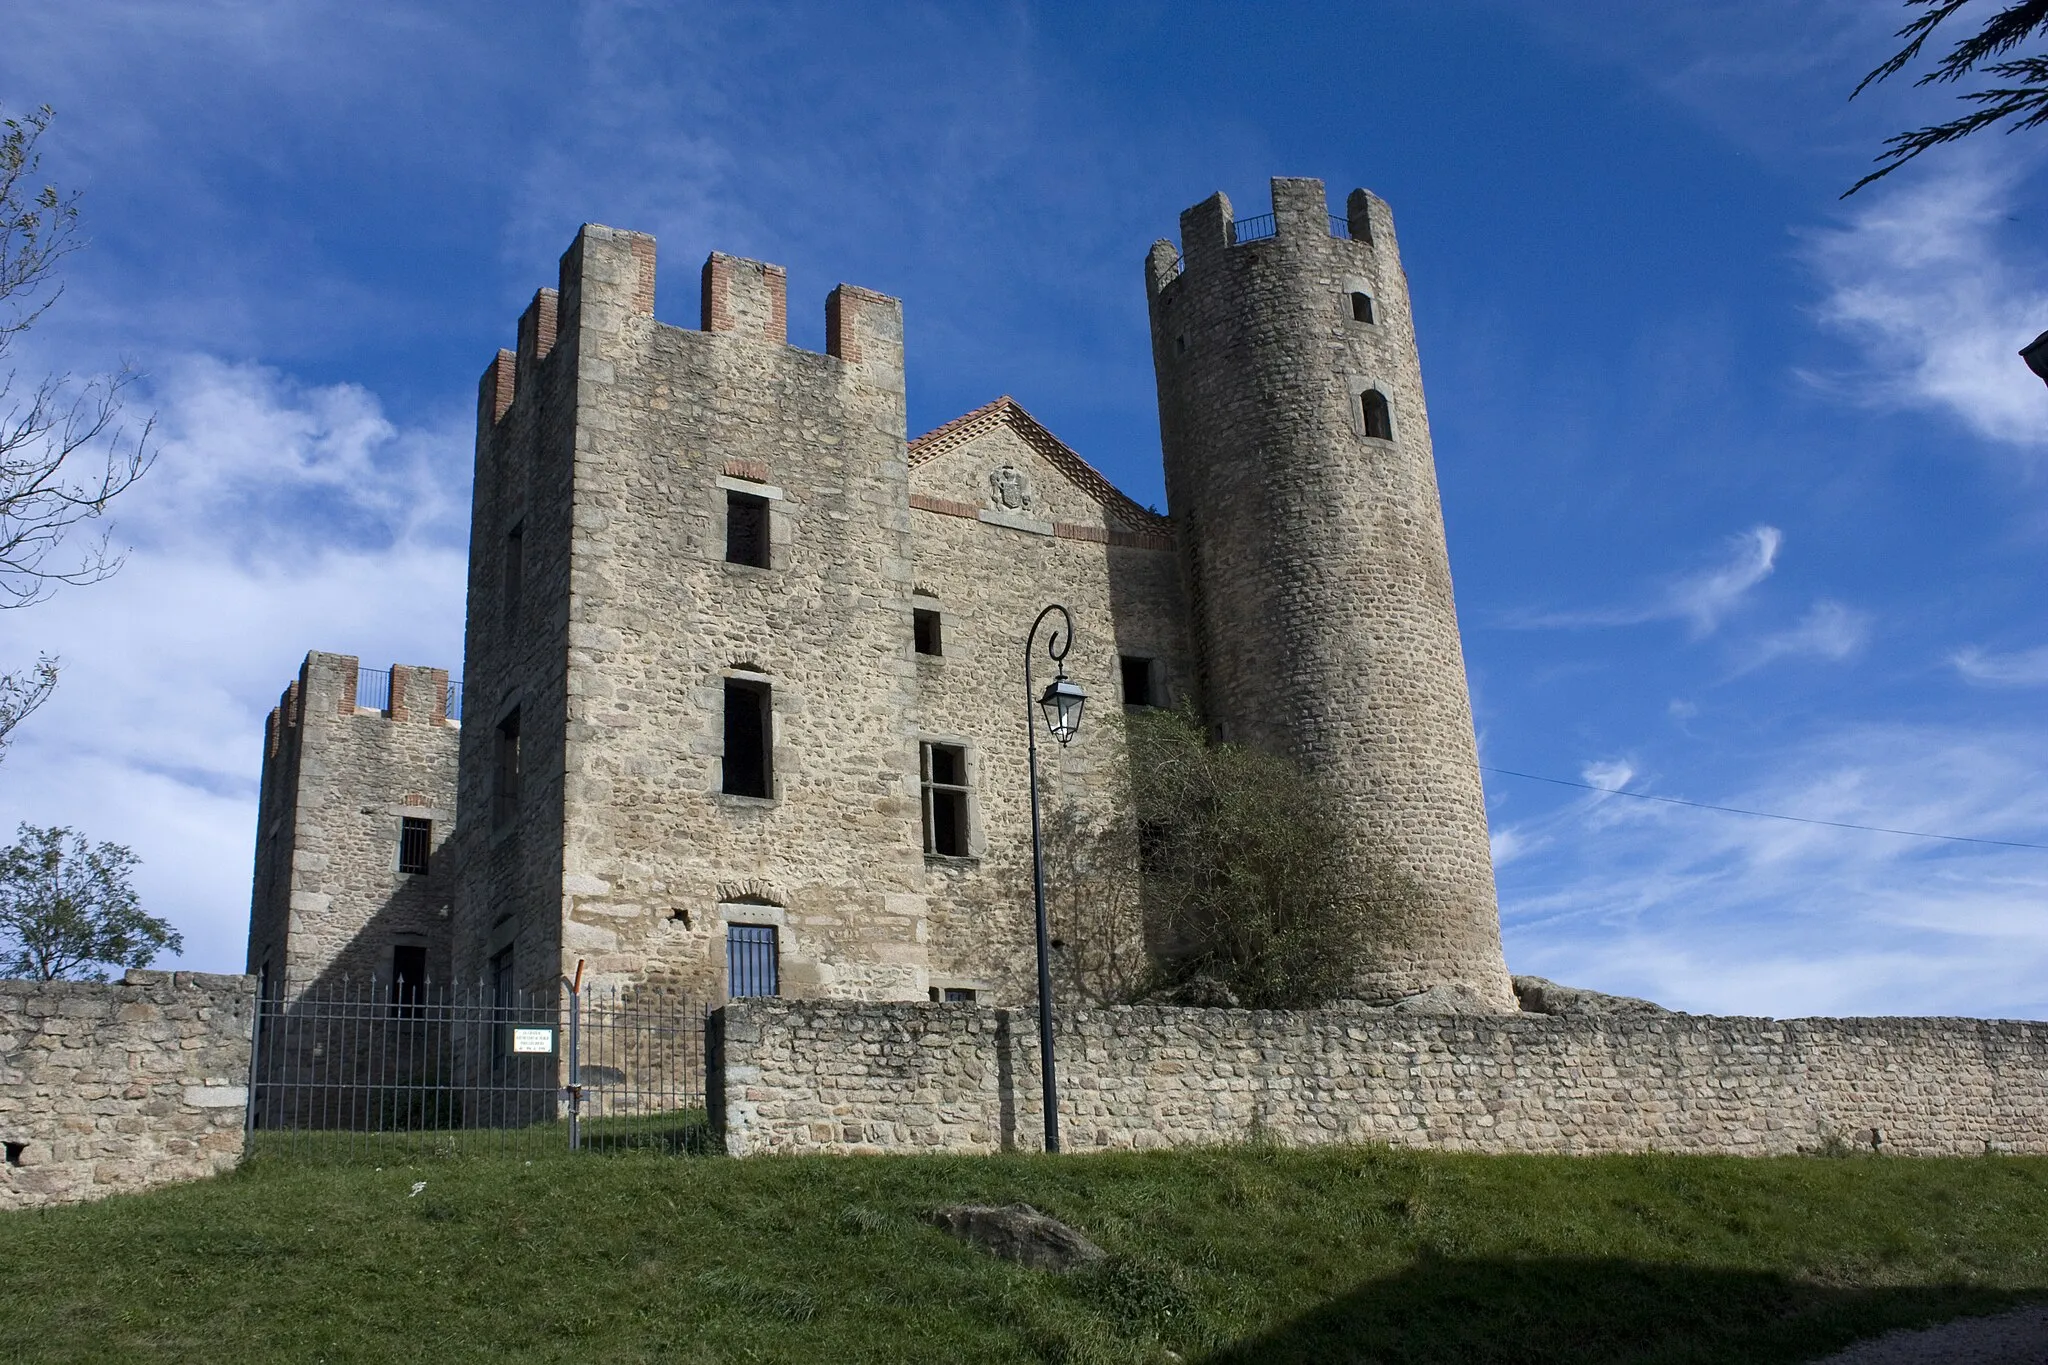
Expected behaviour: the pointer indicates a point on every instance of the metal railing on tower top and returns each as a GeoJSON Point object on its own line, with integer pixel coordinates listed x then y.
{"type": "Point", "coordinates": [373, 692]}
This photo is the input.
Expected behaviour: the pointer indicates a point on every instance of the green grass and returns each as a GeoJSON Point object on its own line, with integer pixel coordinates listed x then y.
{"type": "Point", "coordinates": [1244, 1254]}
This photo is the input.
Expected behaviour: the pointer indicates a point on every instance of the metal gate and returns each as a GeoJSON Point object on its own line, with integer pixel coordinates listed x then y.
{"type": "Point", "coordinates": [376, 1069]}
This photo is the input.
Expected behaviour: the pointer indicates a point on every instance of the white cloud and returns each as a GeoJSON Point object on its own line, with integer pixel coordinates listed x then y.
{"type": "Point", "coordinates": [280, 518]}
{"type": "Point", "coordinates": [1829, 631]}
{"type": "Point", "coordinates": [2025, 668]}
{"type": "Point", "coordinates": [1919, 281]}
{"type": "Point", "coordinates": [1727, 913]}
{"type": "Point", "coordinates": [1703, 599]}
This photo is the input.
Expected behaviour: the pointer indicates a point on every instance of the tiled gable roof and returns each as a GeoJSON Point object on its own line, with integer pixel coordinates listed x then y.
{"type": "Point", "coordinates": [1006, 412]}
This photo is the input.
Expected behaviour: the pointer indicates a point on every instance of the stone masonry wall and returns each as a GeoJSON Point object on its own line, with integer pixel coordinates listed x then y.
{"type": "Point", "coordinates": [831, 1077]}
{"type": "Point", "coordinates": [111, 1087]}
{"type": "Point", "coordinates": [988, 578]}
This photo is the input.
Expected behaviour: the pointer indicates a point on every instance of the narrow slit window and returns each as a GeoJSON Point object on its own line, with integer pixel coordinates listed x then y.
{"type": "Point", "coordinates": [1379, 421]}
{"type": "Point", "coordinates": [505, 773]}
{"type": "Point", "coordinates": [504, 1000]}
{"type": "Point", "coordinates": [746, 529]}
{"type": "Point", "coordinates": [1361, 307]}
{"type": "Point", "coordinates": [1137, 681]}
{"type": "Point", "coordinates": [749, 733]}
{"type": "Point", "coordinates": [945, 800]}
{"type": "Point", "coordinates": [515, 572]}
{"type": "Point", "coordinates": [415, 844]}
{"type": "Point", "coordinates": [752, 961]}
{"type": "Point", "coordinates": [924, 629]}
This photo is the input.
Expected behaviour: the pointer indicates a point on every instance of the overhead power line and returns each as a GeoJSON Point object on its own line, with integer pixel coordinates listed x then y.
{"type": "Point", "coordinates": [1760, 814]}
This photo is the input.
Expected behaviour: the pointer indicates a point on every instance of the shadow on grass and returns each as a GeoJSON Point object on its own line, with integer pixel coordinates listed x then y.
{"type": "Point", "coordinates": [1483, 1312]}
{"type": "Point", "coordinates": [680, 1132]}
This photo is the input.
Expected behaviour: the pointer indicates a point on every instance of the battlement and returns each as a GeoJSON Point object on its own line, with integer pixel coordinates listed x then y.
{"type": "Point", "coordinates": [337, 685]}
{"type": "Point", "coordinates": [607, 275]}
{"type": "Point", "coordinates": [1301, 216]}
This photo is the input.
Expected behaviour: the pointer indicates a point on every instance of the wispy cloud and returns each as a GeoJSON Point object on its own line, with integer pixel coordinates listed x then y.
{"type": "Point", "coordinates": [2023, 668]}
{"type": "Point", "coordinates": [1703, 599]}
{"type": "Point", "coordinates": [1829, 631]}
{"type": "Point", "coordinates": [1727, 913]}
{"type": "Point", "coordinates": [1935, 304]}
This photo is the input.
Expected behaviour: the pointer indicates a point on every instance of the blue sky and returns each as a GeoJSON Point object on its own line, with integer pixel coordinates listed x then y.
{"type": "Point", "coordinates": [1747, 492]}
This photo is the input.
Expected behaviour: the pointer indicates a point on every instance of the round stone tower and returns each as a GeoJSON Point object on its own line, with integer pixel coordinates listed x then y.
{"type": "Point", "coordinates": [1303, 493]}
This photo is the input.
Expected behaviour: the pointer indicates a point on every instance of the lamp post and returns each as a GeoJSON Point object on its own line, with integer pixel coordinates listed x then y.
{"type": "Point", "coordinates": [1062, 703]}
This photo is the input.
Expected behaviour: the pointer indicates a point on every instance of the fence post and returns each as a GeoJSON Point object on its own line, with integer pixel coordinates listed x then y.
{"type": "Point", "coordinates": [255, 1055]}
{"type": "Point", "coordinates": [575, 1086]}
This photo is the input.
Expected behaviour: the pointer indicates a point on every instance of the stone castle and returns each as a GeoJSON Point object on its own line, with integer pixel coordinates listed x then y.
{"type": "Point", "coordinates": [743, 707]}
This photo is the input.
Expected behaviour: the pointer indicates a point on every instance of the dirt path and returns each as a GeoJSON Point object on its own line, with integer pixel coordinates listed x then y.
{"type": "Point", "coordinates": [2016, 1338]}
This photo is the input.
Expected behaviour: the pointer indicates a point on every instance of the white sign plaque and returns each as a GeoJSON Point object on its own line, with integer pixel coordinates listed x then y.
{"type": "Point", "coordinates": [540, 1040]}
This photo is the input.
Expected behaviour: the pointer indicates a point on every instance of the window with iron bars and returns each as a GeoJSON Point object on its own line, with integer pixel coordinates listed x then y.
{"type": "Point", "coordinates": [752, 961]}
{"type": "Point", "coordinates": [415, 844]}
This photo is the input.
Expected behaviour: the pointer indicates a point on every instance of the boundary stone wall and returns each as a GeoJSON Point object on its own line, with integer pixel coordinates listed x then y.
{"type": "Point", "coordinates": [108, 1087]}
{"type": "Point", "coordinates": [799, 1076]}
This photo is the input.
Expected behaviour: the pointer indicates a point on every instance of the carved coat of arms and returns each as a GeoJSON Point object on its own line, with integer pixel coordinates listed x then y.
{"type": "Point", "coordinates": [1011, 488]}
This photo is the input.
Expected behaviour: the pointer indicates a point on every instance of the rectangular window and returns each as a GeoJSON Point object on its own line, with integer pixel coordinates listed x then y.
{"type": "Point", "coordinates": [408, 977]}
{"type": "Point", "coordinates": [505, 774]}
{"type": "Point", "coordinates": [924, 628]}
{"type": "Point", "coordinates": [944, 771]}
{"type": "Point", "coordinates": [746, 529]}
{"type": "Point", "coordinates": [515, 572]}
{"type": "Point", "coordinates": [751, 960]}
{"type": "Point", "coordinates": [749, 734]}
{"type": "Point", "coordinates": [415, 844]}
{"type": "Point", "coordinates": [952, 995]}
{"type": "Point", "coordinates": [1137, 681]}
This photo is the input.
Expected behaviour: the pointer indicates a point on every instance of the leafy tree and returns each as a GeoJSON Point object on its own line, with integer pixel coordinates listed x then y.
{"type": "Point", "coordinates": [67, 910]}
{"type": "Point", "coordinates": [64, 454]}
{"type": "Point", "coordinates": [2021, 95]}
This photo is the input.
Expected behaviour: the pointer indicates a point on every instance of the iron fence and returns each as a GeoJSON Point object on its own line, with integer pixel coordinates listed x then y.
{"type": "Point", "coordinates": [454, 708]}
{"type": "Point", "coordinates": [371, 1070]}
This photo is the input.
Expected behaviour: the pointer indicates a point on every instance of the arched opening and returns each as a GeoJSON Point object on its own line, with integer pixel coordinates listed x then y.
{"type": "Point", "coordinates": [1361, 307]}
{"type": "Point", "coordinates": [1378, 420]}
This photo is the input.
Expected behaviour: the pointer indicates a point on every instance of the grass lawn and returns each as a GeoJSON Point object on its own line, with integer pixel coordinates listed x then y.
{"type": "Point", "coordinates": [1242, 1254]}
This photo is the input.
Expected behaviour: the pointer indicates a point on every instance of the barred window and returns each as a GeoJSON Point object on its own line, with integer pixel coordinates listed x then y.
{"type": "Point", "coordinates": [944, 774]}
{"type": "Point", "coordinates": [415, 844]}
{"type": "Point", "coordinates": [752, 960]}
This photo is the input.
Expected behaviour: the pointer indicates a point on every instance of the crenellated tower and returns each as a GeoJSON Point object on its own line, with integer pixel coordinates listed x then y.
{"type": "Point", "coordinates": [1303, 491]}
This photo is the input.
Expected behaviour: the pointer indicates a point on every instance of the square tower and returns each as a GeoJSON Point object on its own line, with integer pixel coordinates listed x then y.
{"type": "Point", "coordinates": [692, 750]}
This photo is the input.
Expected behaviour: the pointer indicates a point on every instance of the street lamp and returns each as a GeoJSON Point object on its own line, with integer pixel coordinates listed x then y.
{"type": "Point", "coordinates": [1062, 705]}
